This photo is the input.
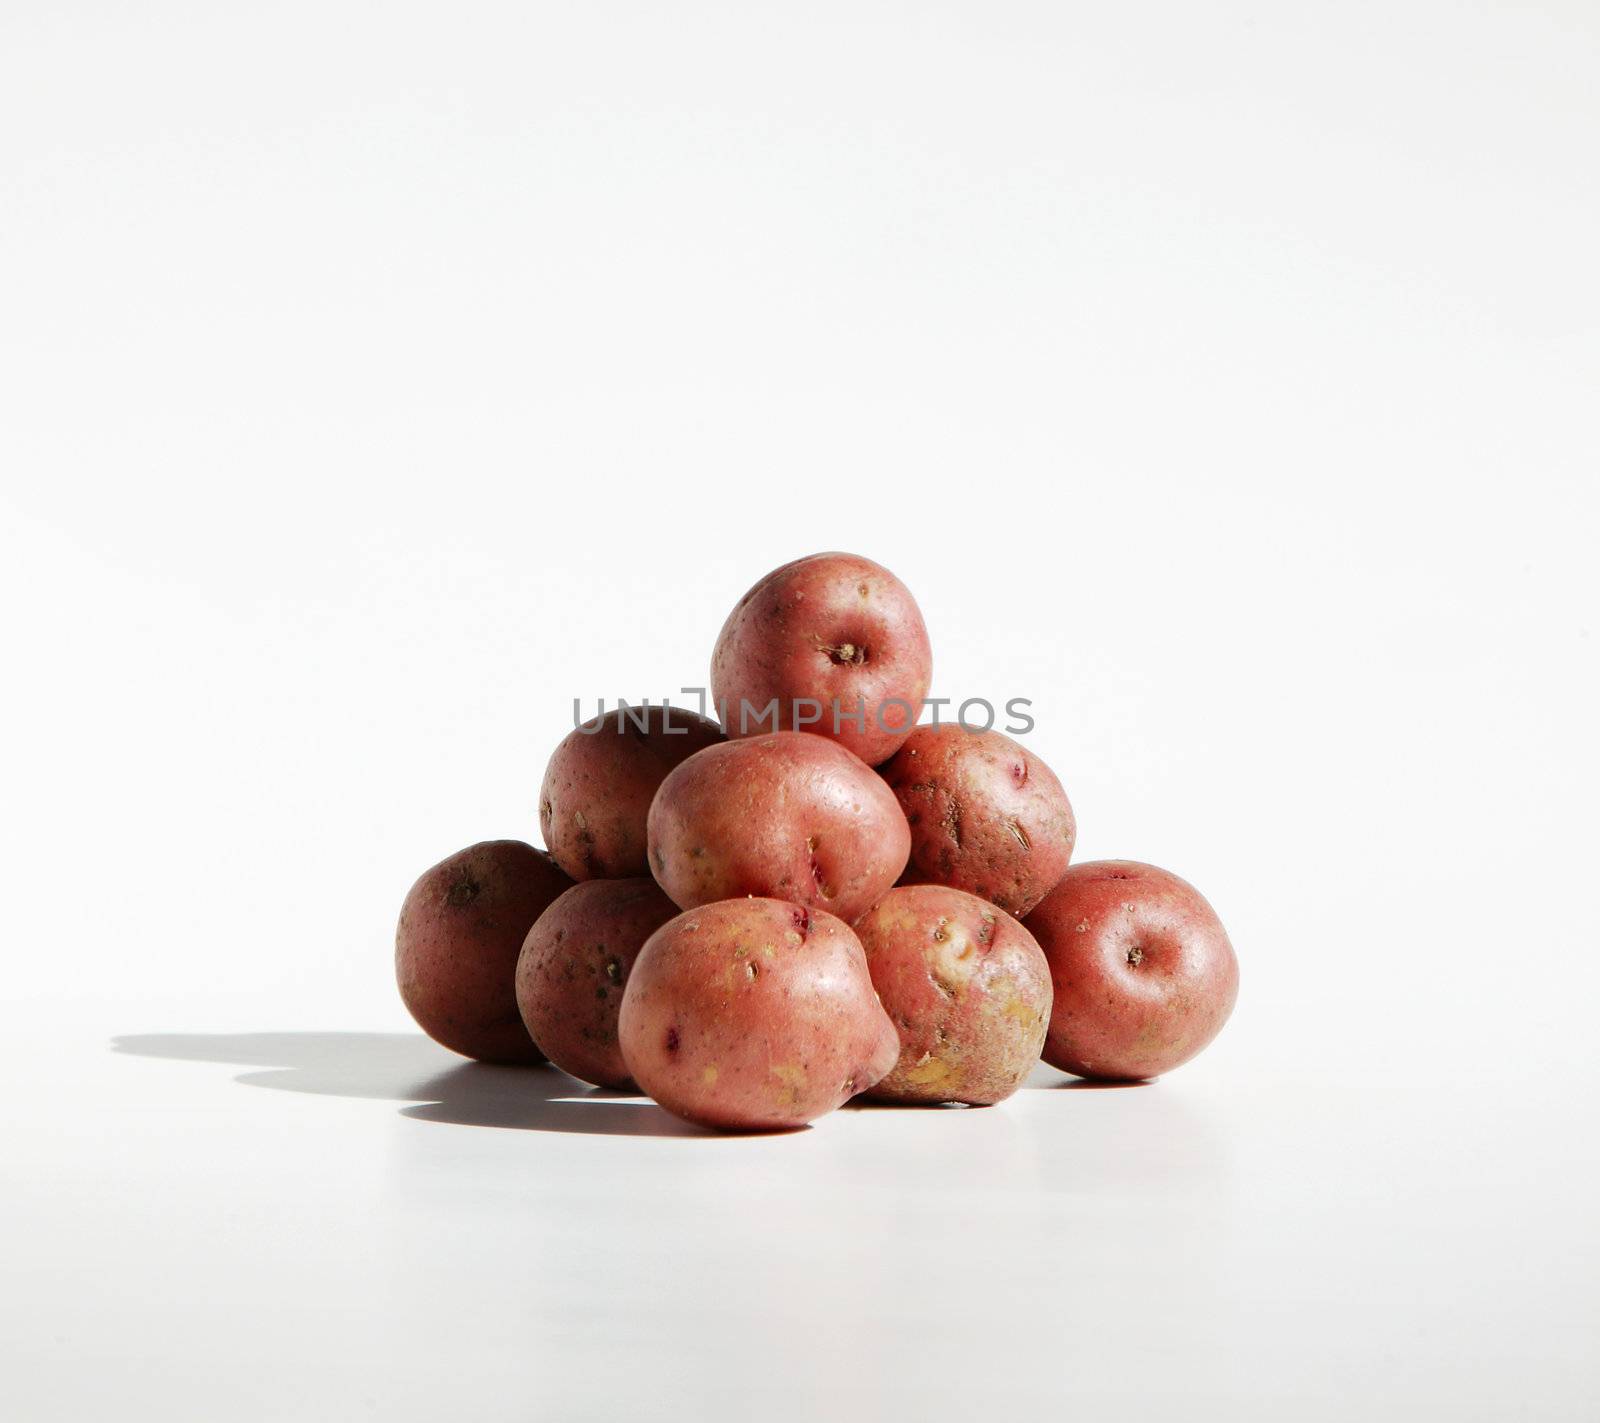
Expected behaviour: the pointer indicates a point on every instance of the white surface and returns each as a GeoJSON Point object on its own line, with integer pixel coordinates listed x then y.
{"type": "Point", "coordinates": [374, 380]}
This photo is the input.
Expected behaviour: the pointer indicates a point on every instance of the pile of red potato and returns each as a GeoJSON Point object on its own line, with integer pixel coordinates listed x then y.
{"type": "Point", "coordinates": [754, 925]}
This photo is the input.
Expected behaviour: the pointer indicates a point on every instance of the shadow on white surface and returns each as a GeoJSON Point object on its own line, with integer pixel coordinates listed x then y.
{"type": "Point", "coordinates": [407, 1067]}
{"type": "Point", "coordinates": [1084, 1084]}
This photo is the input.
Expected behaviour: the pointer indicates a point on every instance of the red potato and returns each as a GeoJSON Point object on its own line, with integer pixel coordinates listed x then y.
{"type": "Point", "coordinates": [986, 815]}
{"type": "Point", "coordinates": [754, 1014]}
{"type": "Point", "coordinates": [1143, 972]}
{"type": "Point", "coordinates": [600, 781]}
{"type": "Point", "coordinates": [574, 966]}
{"type": "Point", "coordinates": [455, 950]}
{"type": "Point", "coordinates": [966, 987]}
{"type": "Point", "coordinates": [832, 630]}
{"type": "Point", "coordinates": [788, 815]}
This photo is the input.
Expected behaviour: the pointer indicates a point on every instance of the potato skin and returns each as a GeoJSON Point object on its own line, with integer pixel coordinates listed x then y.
{"type": "Point", "coordinates": [1143, 972]}
{"type": "Point", "coordinates": [789, 815]}
{"type": "Point", "coordinates": [832, 628]}
{"type": "Point", "coordinates": [455, 949]}
{"type": "Point", "coordinates": [967, 989]}
{"type": "Point", "coordinates": [754, 1014]}
{"type": "Point", "coordinates": [599, 783]}
{"type": "Point", "coordinates": [986, 815]}
{"type": "Point", "coordinates": [574, 965]}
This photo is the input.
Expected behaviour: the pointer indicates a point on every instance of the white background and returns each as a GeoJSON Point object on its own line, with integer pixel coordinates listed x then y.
{"type": "Point", "coordinates": [374, 379]}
